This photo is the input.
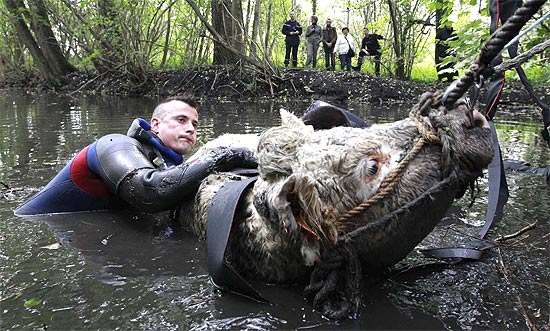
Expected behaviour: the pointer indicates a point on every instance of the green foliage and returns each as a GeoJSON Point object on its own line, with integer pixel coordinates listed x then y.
{"type": "Point", "coordinates": [152, 34]}
{"type": "Point", "coordinates": [424, 73]}
{"type": "Point", "coordinates": [87, 60]}
{"type": "Point", "coordinates": [471, 35]}
{"type": "Point", "coordinates": [539, 75]}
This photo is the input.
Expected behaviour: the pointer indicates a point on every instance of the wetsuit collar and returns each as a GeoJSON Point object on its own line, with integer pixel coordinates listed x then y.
{"type": "Point", "coordinates": [141, 131]}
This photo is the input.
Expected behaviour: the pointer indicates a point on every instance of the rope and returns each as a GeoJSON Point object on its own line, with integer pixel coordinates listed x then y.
{"type": "Point", "coordinates": [480, 68]}
{"type": "Point", "coordinates": [426, 136]}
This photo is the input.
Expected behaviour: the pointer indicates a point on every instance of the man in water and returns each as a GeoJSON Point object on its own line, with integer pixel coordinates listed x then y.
{"type": "Point", "coordinates": [143, 169]}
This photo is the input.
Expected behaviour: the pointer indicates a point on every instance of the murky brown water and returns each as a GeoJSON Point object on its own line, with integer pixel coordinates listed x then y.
{"type": "Point", "coordinates": [117, 270]}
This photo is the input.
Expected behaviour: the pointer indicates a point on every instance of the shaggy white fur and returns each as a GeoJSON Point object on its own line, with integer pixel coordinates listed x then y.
{"type": "Point", "coordinates": [308, 178]}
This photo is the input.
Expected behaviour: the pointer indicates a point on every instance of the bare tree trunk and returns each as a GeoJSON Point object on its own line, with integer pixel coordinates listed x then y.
{"type": "Point", "coordinates": [397, 45]}
{"type": "Point", "coordinates": [17, 8]}
{"type": "Point", "coordinates": [238, 25]}
{"type": "Point", "coordinates": [223, 28]}
{"type": "Point", "coordinates": [227, 48]}
{"type": "Point", "coordinates": [268, 29]}
{"type": "Point", "coordinates": [247, 20]}
{"type": "Point", "coordinates": [256, 28]}
{"type": "Point", "coordinates": [110, 43]}
{"type": "Point", "coordinates": [166, 38]}
{"type": "Point", "coordinates": [46, 39]}
{"type": "Point", "coordinates": [227, 21]}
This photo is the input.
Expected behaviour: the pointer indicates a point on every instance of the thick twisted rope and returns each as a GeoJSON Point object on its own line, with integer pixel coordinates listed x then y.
{"type": "Point", "coordinates": [481, 67]}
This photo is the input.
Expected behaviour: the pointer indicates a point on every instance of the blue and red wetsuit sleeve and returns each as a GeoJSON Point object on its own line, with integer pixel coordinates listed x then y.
{"type": "Point", "coordinates": [75, 188]}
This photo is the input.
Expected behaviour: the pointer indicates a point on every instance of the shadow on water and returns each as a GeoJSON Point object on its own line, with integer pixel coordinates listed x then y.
{"type": "Point", "coordinates": [124, 270]}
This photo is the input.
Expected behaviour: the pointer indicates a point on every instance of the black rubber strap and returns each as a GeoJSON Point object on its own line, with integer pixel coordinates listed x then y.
{"type": "Point", "coordinates": [498, 187]}
{"type": "Point", "coordinates": [498, 195]}
{"type": "Point", "coordinates": [220, 220]}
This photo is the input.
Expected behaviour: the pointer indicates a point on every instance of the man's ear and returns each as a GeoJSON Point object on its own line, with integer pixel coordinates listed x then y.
{"type": "Point", "coordinates": [155, 125]}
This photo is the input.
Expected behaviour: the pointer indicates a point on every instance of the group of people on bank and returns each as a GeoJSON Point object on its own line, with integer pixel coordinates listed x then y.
{"type": "Point", "coordinates": [333, 43]}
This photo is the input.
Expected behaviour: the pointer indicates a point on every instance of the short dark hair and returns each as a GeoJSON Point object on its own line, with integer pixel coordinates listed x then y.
{"type": "Point", "coordinates": [345, 28]}
{"type": "Point", "coordinates": [187, 98]}
{"type": "Point", "coordinates": [315, 18]}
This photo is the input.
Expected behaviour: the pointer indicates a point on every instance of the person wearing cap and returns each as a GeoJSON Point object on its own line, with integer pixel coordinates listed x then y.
{"type": "Point", "coordinates": [329, 40]}
{"type": "Point", "coordinates": [344, 43]}
{"type": "Point", "coordinates": [143, 169]}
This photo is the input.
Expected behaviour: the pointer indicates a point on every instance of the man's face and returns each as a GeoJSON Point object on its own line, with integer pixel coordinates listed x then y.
{"type": "Point", "coordinates": [178, 128]}
{"type": "Point", "coordinates": [292, 16]}
{"type": "Point", "coordinates": [366, 31]}
{"type": "Point", "coordinates": [329, 22]}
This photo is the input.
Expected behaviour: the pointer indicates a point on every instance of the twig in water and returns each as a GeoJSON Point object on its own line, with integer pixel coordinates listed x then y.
{"type": "Point", "coordinates": [517, 233]}
{"type": "Point", "coordinates": [214, 82]}
{"type": "Point", "coordinates": [528, 320]}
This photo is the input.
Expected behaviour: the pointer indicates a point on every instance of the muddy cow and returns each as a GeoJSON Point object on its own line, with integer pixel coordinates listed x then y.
{"type": "Point", "coordinates": [344, 198]}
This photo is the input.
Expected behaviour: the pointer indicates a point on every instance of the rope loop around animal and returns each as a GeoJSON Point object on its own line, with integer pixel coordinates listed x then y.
{"type": "Point", "coordinates": [427, 134]}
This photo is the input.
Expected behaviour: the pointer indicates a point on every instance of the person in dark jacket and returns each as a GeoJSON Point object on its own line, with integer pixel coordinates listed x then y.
{"type": "Point", "coordinates": [292, 30]}
{"type": "Point", "coordinates": [370, 47]}
{"type": "Point", "coordinates": [143, 169]}
{"type": "Point", "coordinates": [329, 40]}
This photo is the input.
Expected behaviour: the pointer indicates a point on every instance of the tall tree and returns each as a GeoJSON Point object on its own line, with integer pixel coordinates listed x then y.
{"type": "Point", "coordinates": [397, 41]}
{"type": "Point", "coordinates": [110, 42]}
{"type": "Point", "coordinates": [46, 38]}
{"type": "Point", "coordinates": [256, 27]}
{"type": "Point", "coordinates": [227, 21]}
{"type": "Point", "coordinates": [38, 38]}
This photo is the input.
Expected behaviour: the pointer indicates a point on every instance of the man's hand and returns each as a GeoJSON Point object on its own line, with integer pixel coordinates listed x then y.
{"type": "Point", "coordinates": [227, 158]}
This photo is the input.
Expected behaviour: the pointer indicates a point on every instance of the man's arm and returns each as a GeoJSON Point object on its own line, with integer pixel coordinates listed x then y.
{"type": "Point", "coordinates": [286, 29]}
{"type": "Point", "coordinates": [132, 177]}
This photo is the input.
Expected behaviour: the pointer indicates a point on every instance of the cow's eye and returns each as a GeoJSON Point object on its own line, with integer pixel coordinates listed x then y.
{"type": "Point", "coordinates": [372, 167]}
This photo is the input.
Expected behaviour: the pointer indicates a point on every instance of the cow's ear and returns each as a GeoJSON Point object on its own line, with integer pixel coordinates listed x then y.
{"type": "Point", "coordinates": [290, 121]}
{"type": "Point", "coordinates": [277, 150]}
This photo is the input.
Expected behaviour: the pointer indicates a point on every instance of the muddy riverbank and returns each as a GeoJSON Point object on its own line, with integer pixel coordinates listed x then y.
{"type": "Point", "coordinates": [240, 83]}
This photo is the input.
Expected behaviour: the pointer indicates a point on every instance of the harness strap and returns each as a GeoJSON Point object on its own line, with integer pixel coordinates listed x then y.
{"type": "Point", "coordinates": [220, 220]}
{"type": "Point", "coordinates": [498, 195]}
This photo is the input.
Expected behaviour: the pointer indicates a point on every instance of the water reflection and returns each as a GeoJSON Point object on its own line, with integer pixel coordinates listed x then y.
{"type": "Point", "coordinates": [118, 270]}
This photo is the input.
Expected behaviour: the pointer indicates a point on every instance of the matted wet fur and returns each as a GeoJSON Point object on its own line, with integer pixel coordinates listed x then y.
{"type": "Point", "coordinates": [308, 179]}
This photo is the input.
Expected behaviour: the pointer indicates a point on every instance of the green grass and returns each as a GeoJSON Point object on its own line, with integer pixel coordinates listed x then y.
{"type": "Point", "coordinates": [424, 73]}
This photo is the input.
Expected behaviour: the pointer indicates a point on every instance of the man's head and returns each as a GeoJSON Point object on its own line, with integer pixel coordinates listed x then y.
{"type": "Point", "coordinates": [345, 30]}
{"type": "Point", "coordinates": [365, 31]}
{"type": "Point", "coordinates": [175, 122]}
{"type": "Point", "coordinates": [292, 16]}
{"type": "Point", "coordinates": [329, 21]}
{"type": "Point", "coordinates": [314, 19]}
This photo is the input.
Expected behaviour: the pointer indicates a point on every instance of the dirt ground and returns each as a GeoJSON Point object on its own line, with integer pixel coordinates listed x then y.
{"type": "Point", "coordinates": [238, 83]}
